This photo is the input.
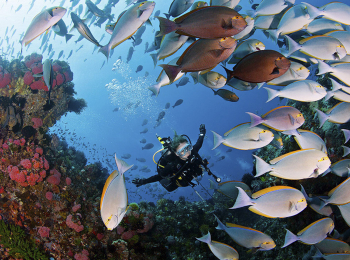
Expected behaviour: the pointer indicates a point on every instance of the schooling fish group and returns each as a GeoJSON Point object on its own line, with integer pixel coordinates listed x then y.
{"type": "Point", "coordinates": [219, 34]}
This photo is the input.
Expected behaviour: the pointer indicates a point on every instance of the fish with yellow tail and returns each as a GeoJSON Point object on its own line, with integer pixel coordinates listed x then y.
{"type": "Point", "coordinates": [114, 199]}
{"type": "Point", "coordinates": [273, 202]}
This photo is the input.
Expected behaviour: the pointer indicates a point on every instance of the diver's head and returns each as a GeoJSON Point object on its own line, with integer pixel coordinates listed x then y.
{"type": "Point", "coordinates": [183, 150]}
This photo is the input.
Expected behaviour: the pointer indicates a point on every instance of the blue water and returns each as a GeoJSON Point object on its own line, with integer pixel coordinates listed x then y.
{"type": "Point", "coordinates": [105, 132]}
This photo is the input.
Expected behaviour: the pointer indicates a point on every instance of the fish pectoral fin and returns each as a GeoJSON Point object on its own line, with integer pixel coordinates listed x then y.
{"type": "Point", "coordinates": [336, 56]}
{"type": "Point", "coordinates": [139, 13]}
{"type": "Point", "coordinates": [216, 53]}
{"type": "Point", "coordinates": [275, 71]}
{"type": "Point", "coordinates": [226, 25]}
{"type": "Point", "coordinates": [291, 118]}
{"type": "Point", "coordinates": [292, 206]}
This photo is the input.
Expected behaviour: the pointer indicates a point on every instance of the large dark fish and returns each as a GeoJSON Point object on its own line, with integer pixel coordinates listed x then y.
{"type": "Point", "coordinates": [260, 66]}
{"type": "Point", "coordinates": [208, 22]}
{"type": "Point", "coordinates": [201, 55]}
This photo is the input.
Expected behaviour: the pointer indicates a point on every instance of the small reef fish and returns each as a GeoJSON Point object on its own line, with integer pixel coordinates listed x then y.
{"type": "Point", "coordinates": [244, 137]}
{"type": "Point", "coordinates": [178, 103]}
{"type": "Point", "coordinates": [338, 195]}
{"type": "Point", "coordinates": [242, 85]}
{"type": "Point", "coordinates": [273, 202]}
{"type": "Point", "coordinates": [183, 82]}
{"type": "Point", "coordinates": [338, 114]}
{"type": "Point", "coordinates": [307, 139]}
{"type": "Point", "coordinates": [178, 7]}
{"type": "Point", "coordinates": [144, 131]}
{"type": "Point", "coordinates": [60, 29]}
{"type": "Point", "coordinates": [220, 250]}
{"type": "Point", "coordinates": [211, 79]}
{"type": "Point", "coordinates": [332, 256]}
{"type": "Point", "coordinates": [338, 70]}
{"type": "Point", "coordinates": [206, 23]}
{"type": "Point", "coordinates": [323, 26]}
{"type": "Point", "coordinates": [114, 198]}
{"type": "Point", "coordinates": [270, 7]}
{"type": "Point", "coordinates": [148, 146]}
{"type": "Point", "coordinates": [343, 37]}
{"type": "Point", "coordinates": [295, 72]}
{"type": "Point", "coordinates": [260, 66]}
{"type": "Point", "coordinates": [228, 188]}
{"type": "Point", "coordinates": [284, 118]}
{"type": "Point", "coordinates": [196, 5]}
{"type": "Point", "coordinates": [83, 29]}
{"type": "Point", "coordinates": [331, 245]}
{"type": "Point", "coordinates": [312, 234]}
{"type": "Point", "coordinates": [245, 48]}
{"type": "Point", "coordinates": [226, 95]}
{"type": "Point", "coordinates": [247, 237]}
{"type": "Point", "coordinates": [341, 168]}
{"type": "Point", "coordinates": [42, 22]}
{"type": "Point", "coordinates": [336, 11]}
{"type": "Point", "coordinates": [296, 165]}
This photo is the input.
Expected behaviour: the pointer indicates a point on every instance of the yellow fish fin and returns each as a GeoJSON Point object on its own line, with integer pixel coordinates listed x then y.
{"type": "Point", "coordinates": [331, 192]}
{"type": "Point", "coordinates": [258, 212]}
{"type": "Point", "coordinates": [108, 181]}
{"type": "Point", "coordinates": [273, 161]}
{"type": "Point", "coordinates": [270, 189]}
{"type": "Point", "coordinates": [264, 115]}
{"type": "Point", "coordinates": [239, 226]}
{"type": "Point", "coordinates": [311, 37]}
{"type": "Point", "coordinates": [330, 110]}
{"type": "Point", "coordinates": [304, 229]}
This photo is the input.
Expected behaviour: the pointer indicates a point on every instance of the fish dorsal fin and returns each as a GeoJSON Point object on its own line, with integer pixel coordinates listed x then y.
{"type": "Point", "coordinates": [304, 229]}
{"type": "Point", "coordinates": [308, 131]}
{"type": "Point", "coordinates": [227, 133]}
{"type": "Point", "coordinates": [330, 110]}
{"type": "Point", "coordinates": [264, 115]}
{"type": "Point", "coordinates": [225, 182]}
{"type": "Point", "coordinates": [279, 158]}
{"type": "Point", "coordinates": [333, 164]}
{"type": "Point", "coordinates": [183, 17]}
{"type": "Point", "coordinates": [333, 190]}
{"type": "Point", "coordinates": [328, 33]}
{"type": "Point", "coordinates": [254, 210]}
{"type": "Point", "coordinates": [213, 241]}
{"type": "Point", "coordinates": [108, 181]}
{"type": "Point", "coordinates": [179, 61]}
{"type": "Point", "coordinates": [270, 189]}
{"type": "Point", "coordinates": [311, 37]}
{"type": "Point", "coordinates": [239, 226]}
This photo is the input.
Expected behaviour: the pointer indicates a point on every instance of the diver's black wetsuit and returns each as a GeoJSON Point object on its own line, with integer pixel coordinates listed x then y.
{"type": "Point", "coordinates": [172, 164]}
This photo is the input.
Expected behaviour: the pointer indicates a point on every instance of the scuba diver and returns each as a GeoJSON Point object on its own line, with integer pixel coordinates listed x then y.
{"type": "Point", "coordinates": [179, 164]}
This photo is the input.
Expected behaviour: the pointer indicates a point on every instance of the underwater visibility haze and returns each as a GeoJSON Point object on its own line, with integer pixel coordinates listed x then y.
{"type": "Point", "coordinates": [94, 98]}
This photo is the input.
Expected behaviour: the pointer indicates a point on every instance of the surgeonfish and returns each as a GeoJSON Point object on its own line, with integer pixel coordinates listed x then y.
{"type": "Point", "coordinates": [220, 250]}
{"type": "Point", "coordinates": [244, 137]}
{"type": "Point", "coordinates": [201, 55]}
{"type": "Point", "coordinates": [246, 31]}
{"type": "Point", "coordinates": [284, 118]}
{"type": "Point", "coordinates": [114, 198]}
{"type": "Point", "coordinates": [42, 22]}
{"type": "Point", "coordinates": [338, 92]}
{"type": "Point", "coordinates": [83, 29]}
{"type": "Point", "coordinates": [336, 11]}
{"type": "Point", "coordinates": [295, 72]}
{"type": "Point", "coordinates": [206, 23]}
{"type": "Point", "coordinates": [343, 37]}
{"type": "Point", "coordinates": [244, 48]}
{"type": "Point", "coordinates": [312, 234]}
{"type": "Point", "coordinates": [331, 256]}
{"type": "Point", "coordinates": [307, 139]}
{"type": "Point", "coordinates": [260, 66]}
{"type": "Point", "coordinates": [331, 245]}
{"type": "Point", "coordinates": [338, 114]}
{"type": "Point", "coordinates": [163, 78]}
{"type": "Point", "coordinates": [294, 19]}
{"type": "Point", "coordinates": [196, 5]}
{"type": "Point", "coordinates": [341, 168]}
{"type": "Point", "coordinates": [247, 237]}
{"type": "Point", "coordinates": [345, 212]}
{"type": "Point", "coordinates": [178, 7]}
{"type": "Point", "coordinates": [128, 24]}
{"type": "Point", "coordinates": [269, 7]}
{"type": "Point", "coordinates": [273, 202]}
{"type": "Point", "coordinates": [338, 70]}
{"type": "Point", "coordinates": [226, 95]}
{"type": "Point", "coordinates": [210, 79]}
{"type": "Point", "coordinates": [60, 29]}
{"type": "Point", "coordinates": [323, 26]}
{"type": "Point", "coordinates": [304, 90]}
{"type": "Point", "coordinates": [319, 47]}
{"type": "Point", "coordinates": [228, 188]}
{"type": "Point", "coordinates": [296, 165]}
{"type": "Point", "coordinates": [315, 203]}
{"type": "Point", "coordinates": [182, 82]}
{"type": "Point", "coordinates": [169, 45]}
{"type": "Point", "coordinates": [338, 195]}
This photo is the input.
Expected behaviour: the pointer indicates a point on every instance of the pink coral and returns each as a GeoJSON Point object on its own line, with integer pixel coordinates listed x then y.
{"type": "Point", "coordinates": [68, 75]}
{"type": "Point", "coordinates": [37, 122]}
{"type": "Point", "coordinates": [68, 181]}
{"type": "Point", "coordinates": [5, 79]}
{"type": "Point", "coordinates": [44, 232]}
{"type": "Point", "coordinates": [37, 68]}
{"type": "Point", "coordinates": [59, 79]}
{"type": "Point", "coordinates": [76, 226]}
{"type": "Point", "coordinates": [26, 164]}
{"type": "Point", "coordinates": [76, 207]}
{"type": "Point", "coordinates": [39, 150]}
{"type": "Point", "coordinates": [39, 84]}
{"type": "Point", "coordinates": [28, 78]}
{"type": "Point", "coordinates": [53, 179]}
{"type": "Point", "coordinates": [128, 234]}
{"type": "Point", "coordinates": [32, 179]}
{"type": "Point", "coordinates": [49, 195]}
{"type": "Point", "coordinates": [56, 67]}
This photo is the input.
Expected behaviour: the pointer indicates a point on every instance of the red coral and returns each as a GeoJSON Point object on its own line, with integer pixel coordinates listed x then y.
{"type": "Point", "coordinates": [37, 68]}
{"type": "Point", "coordinates": [39, 150]}
{"type": "Point", "coordinates": [76, 226]}
{"type": "Point", "coordinates": [32, 179]}
{"type": "Point", "coordinates": [76, 207]}
{"type": "Point", "coordinates": [59, 79]}
{"type": "Point", "coordinates": [26, 164]}
{"type": "Point", "coordinates": [39, 84]}
{"type": "Point", "coordinates": [5, 79]}
{"type": "Point", "coordinates": [53, 179]}
{"type": "Point", "coordinates": [68, 76]}
{"type": "Point", "coordinates": [68, 181]}
{"type": "Point", "coordinates": [44, 232]}
{"type": "Point", "coordinates": [28, 78]}
{"type": "Point", "coordinates": [49, 195]}
{"type": "Point", "coordinates": [37, 122]}
{"type": "Point", "coordinates": [56, 67]}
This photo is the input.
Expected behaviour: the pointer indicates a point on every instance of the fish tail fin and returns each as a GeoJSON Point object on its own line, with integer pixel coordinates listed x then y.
{"type": "Point", "coordinates": [335, 85]}
{"type": "Point", "coordinates": [322, 117]}
{"type": "Point", "coordinates": [346, 150]}
{"type": "Point", "coordinates": [68, 36]}
{"type": "Point", "coordinates": [218, 139]}
{"type": "Point", "coordinates": [121, 165]}
{"type": "Point", "coordinates": [105, 50]}
{"type": "Point", "coordinates": [254, 119]}
{"type": "Point", "coordinates": [228, 73]}
{"type": "Point", "coordinates": [292, 45]}
{"type": "Point", "coordinates": [260, 84]}
{"type": "Point", "coordinates": [323, 203]}
{"type": "Point", "coordinates": [166, 26]}
{"type": "Point", "coordinates": [323, 68]}
{"type": "Point", "coordinates": [318, 254]}
{"type": "Point", "coordinates": [329, 95]}
{"type": "Point", "coordinates": [271, 93]}
{"type": "Point", "coordinates": [155, 89]}
{"type": "Point", "coordinates": [154, 58]}
{"type": "Point", "coordinates": [195, 76]}
{"type": "Point", "coordinates": [242, 199]}
{"type": "Point", "coordinates": [312, 11]}
{"type": "Point", "coordinates": [289, 238]}
{"type": "Point", "coordinates": [206, 238]}
{"type": "Point", "coordinates": [213, 185]}
{"type": "Point", "coordinates": [261, 166]}
{"type": "Point", "coordinates": [171, 71]}
{"type": "Point", "coordinates": [221, 225]}
{"type": "Point", "coordinates": [273, 34]}
{"type": "Point", "coordinates": [304, 193]}
{"type": "Point", "coordinates": [346, 133]}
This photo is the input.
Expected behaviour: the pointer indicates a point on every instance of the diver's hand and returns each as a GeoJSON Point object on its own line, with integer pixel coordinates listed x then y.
{"type": "Point", "coordinates": [138, 182]}
{"type": "Point", "coordinates": [202, 129]}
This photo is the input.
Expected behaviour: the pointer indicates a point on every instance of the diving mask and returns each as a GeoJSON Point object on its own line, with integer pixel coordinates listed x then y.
{"type": "Point", "coordinates": [184, 150]}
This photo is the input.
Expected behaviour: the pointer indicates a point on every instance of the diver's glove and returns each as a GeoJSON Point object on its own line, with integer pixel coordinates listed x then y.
{"type": "Point", "coordinates": [202, 129]}
{"type": "Point", "coordinates": [138, 182]}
